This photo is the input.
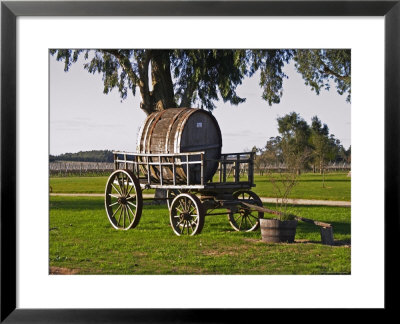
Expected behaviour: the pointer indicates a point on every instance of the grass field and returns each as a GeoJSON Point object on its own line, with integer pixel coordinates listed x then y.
{"type": "Point", "coordinates": [309, 186]}
{"type": "Point", "coordinates": [82, 241]}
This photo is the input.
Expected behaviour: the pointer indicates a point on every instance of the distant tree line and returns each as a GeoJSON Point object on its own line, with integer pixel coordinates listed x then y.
{"type": "Point", "coordinates": [301, 146]}
{"type": "Point", "coordinates": [85, 156]}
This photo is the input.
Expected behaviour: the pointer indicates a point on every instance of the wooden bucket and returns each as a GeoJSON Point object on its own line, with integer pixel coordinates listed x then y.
{"type": "Point", "coordinates": [276, 231]}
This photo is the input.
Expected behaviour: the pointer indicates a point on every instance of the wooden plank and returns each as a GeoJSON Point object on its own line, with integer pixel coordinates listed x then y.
{"type": "Point", "coordinates": [173, 171]}
{"type": "Point", "coordinates": [237, 166]}
{"type": "Point", "coordinates": [251, 169]}
{"type": "Point", "coordinates": [202, 170]}
{"type": "Point", "coordinates": [220, 171]}
{"type": "Point", "coordinates": [274, 212]}
{"type": "Point", "coordinates": [224, 170]}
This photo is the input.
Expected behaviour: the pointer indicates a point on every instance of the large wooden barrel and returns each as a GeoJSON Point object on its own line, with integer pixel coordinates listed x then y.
{"type": "Point", "coordinates": [180, 130]}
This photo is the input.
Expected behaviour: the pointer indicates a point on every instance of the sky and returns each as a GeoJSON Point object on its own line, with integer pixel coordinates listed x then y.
{"type": "Point", "coordinates": [82, 118]}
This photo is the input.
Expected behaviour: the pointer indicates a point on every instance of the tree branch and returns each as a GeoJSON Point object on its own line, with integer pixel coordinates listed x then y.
{"type": "Point", "coordinates": [328, 70]}
{"type": "Point", "coordinates": [187, 96]}
{"type": "Point", "coordinates": [143, 65]}
{"type": "Point", "coordinates": [124, 63]}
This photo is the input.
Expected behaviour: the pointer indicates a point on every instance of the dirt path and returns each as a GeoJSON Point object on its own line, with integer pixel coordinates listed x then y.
{"type": "Point", "coordinates": [310, 202]}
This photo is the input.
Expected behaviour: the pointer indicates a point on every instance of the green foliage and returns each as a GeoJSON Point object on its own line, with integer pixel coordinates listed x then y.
{"type": "Point", "coordinates": [317, 66]}
{"type": "Point", "coordinates": [182, 78]}
{"type": "Point", "coordinates": [286, 216]}
{"type": "Point", "coordinates": [85, 156]}
{"type": "Point", "coordinates": [295, 142]}
{"type": "Point", "coordinates": [324, 147]}
{"type": "Point", "coordinates": [300, 144]}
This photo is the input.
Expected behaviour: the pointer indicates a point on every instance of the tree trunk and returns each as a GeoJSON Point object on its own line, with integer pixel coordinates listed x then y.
{"type": "Point", "coordinates": [162, 95]}
{"type": "Point", "coordinates": [163, 91]}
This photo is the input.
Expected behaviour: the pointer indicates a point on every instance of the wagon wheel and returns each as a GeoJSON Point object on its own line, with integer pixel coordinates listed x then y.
{"type": "Point", "coordinates": [186, 214]}
{"type": "Point", "coordinates": [242, 218]}
{"type": "Point", "coordinates": [123, 200]}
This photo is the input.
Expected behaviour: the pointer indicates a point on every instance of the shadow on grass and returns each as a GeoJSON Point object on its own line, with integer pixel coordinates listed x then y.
{"type": "Point", "coordinates": [338, 228]}
{"type": "Point", "coordinates": [77, 203]}
{"type": "Point", "coordinates": [336, 242]}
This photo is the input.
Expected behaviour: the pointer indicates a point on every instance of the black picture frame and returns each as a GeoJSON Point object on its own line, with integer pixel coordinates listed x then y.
{"type": "Point", "coordinates": [10, 10]}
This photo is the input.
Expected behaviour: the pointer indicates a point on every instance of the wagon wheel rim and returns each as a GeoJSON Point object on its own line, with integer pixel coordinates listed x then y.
{"type": "Point", "coordinates": [123, 200]}
{"type": "Point", "coordinates": [171, 194]}
{"type": "Point", "coordinates": [186, 215]}
{"type": "Point", "coordinates": [243, 218]}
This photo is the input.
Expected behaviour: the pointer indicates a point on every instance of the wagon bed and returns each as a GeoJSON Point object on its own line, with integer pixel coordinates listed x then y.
{"type": "Point", "coordinates": [190, 196]}
{"type": "Point", "coordinates": [235, 170]}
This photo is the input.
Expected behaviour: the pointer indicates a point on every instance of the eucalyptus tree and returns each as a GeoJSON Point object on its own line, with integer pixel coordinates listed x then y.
{"type": "Point", "coordinates": [295, 141]}
{"type": "Point", "coordinates": [322, 144]}
{"type": "Point", "coordinates": [198, 77]}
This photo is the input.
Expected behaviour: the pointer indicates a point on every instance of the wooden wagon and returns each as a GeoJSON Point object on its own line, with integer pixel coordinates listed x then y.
{"type": "Point", "coordinates": [179, 150]}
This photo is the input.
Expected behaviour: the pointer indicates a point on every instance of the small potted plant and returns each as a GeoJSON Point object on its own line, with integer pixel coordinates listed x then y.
{"type": "Point", "coordinates": [277, 230]}
{"type": "Point", "coordinates": [282, 228]}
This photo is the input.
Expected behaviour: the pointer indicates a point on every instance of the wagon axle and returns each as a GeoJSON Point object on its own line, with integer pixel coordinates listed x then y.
{"type": "Point", "coordinates": [122, 200]}
{"type": "Point", "coordinates": [185, 216]}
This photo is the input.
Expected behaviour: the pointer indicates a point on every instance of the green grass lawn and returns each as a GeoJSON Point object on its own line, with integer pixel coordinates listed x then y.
{"type": "Point", "coordinates": [83, 240]}
{"type": "Point", "coordinates": [337, 186]}
{"type": "Point", "coordinates": [78, 184]}
{"type": "Point", "coordinates": [309, 186]}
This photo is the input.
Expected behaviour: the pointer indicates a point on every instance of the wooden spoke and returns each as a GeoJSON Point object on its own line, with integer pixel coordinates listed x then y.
{"type": "Point", "coordinates": [191, 226]}
{"type": "Point", "coordinates": [120, 214]}
{"type": "Point", "coordinates": [116, 210]}
{"type": "Point", "coordinates": [128, 193]}
{"type": "Point", "coordinates": [126, 185]}
{"type": "Point", "coordinates": [114, 204]}
{"type": "Point", "coordinates": [192, 210]}
{"type": "Point", "coordinates": [183, 227]}
{"type": "Point", "coordinates": [131, 204]}
{"type": "Point", "coordinates": [241, 219]}
{"type": "Point", "coordinates": [238, 217]}
{"type": "Point", "coordinates": [181, 204]}
{"type": "Point", "coordinates": [130, 210]}
{"type": "Point", "coordinates": [255, 217]}
{"type": "Point", "coordinates": [114, 196]}
{"type": "Point", "coordinates": [116, 189]}
{"type": "Point", "coordinates": [119, 183]}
